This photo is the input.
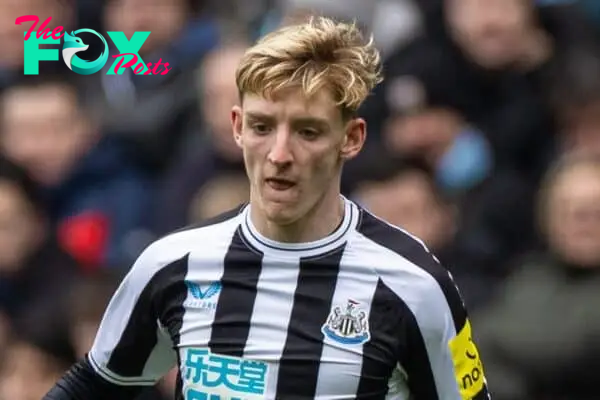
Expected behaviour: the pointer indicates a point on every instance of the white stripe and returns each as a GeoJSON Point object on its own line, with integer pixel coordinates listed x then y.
{"type": "Point", "coordinates": [271, 314]}
{"type": "Point", "coordinates": [425, 298]}
{"type": "Point", "coordinates": [206, 265]}
{"type": "Point", "coordinates": [119, 311]}
{"type": "Point", "coordinates": [341, 364]}
{"type": "Point", "coordinates": [161, 355]}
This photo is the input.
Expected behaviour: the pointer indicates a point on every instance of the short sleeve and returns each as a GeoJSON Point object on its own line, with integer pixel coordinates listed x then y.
{"type": "Point", "coordinates": [131, 347]}
{"type": "Point", "coordinates": [447, 335]}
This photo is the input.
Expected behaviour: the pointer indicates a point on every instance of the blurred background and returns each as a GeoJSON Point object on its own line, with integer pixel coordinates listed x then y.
{"type": "Point", "coordinates": [484, 141]}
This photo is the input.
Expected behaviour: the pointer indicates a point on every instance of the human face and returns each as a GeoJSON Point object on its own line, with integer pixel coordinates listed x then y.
{"type": "Point", "coordinates": [293, 150]}
{"type": "Point", "coordinates": [11, 35]}
{"type": "Point", "coordinates": [415, 207]}
{"type": "Point", "coordinates": [44, 131]}
{"type": "Point", "coordinates": [490, 32]}
{"type": "Point", "coordinates": [573, 216]}
{"type": "Point", "coordinates": [219, 94]}
{"type": "Point", "coordinates": [19, 228]}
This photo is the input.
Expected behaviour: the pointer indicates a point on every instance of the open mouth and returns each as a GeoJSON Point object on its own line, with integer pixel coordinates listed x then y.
{"type": "Point", "coordinates": [280, 183]}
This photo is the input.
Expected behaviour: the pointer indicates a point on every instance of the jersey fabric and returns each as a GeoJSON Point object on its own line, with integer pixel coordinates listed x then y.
{"type": "Point", "coordinates": [365, 313]}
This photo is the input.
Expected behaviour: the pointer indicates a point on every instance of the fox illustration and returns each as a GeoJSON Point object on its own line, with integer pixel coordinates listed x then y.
{"type": "Point", "coordinates": [73, 45]}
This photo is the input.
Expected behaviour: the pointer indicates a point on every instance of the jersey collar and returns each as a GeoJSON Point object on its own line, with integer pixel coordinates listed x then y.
{"type": "Point", "coordinates": [307, 249]}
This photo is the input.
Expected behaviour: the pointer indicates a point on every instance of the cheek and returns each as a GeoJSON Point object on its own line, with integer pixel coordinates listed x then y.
{"type": "Point", "coordinates": [324, 163]}
{"type": "Point", "coordinates": [253, 158]}
{"type": "Point", "coordinates": [462, 20]}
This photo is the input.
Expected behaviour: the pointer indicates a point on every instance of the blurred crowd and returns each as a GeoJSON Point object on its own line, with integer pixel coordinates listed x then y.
{"type": "Point", "coordinates": [483, 140]}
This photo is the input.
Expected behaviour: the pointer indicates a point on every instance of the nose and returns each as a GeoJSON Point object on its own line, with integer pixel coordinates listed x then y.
{"type": "Point", "coordinates": [281, 153]}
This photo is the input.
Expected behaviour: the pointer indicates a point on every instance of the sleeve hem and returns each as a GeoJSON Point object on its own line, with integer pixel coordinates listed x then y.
{"type": "Point", "coordinates": [116, 379]}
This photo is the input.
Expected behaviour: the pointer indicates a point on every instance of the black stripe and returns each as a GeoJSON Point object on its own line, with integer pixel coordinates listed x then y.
{"type": "Point", "coordinates": [394, 331]}
{"type": "Point", "coordinates": [233, 315]}
{"type": "Point", "coordinates": [179, 394]}
{"type": "Point", "coordinates": [299, 364]}
{"type": "Point", "coordinates": [172, 316]}
{"type": "Point", "coordinates": [139, 338]}
{"type": "Point", "coordinates": [484, 394]}
{"type": "Point", "coordinates": [407, 247]}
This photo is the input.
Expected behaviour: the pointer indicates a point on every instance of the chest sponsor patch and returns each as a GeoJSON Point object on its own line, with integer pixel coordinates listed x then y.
{"type": "Point", "coordinates": [209, 376]}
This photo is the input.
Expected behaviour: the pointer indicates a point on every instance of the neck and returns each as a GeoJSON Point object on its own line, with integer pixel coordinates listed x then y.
{"type": "Point", "coordinates": [316, 224]}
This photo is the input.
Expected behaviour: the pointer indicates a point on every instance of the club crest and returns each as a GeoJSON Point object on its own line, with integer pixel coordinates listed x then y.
{"type": "Point", "coordinates": [347, 325]}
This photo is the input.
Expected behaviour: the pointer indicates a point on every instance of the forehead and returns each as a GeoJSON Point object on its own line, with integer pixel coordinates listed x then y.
{"type": "Point", "coordinates": [578, 179]}
{"type": "Point", "coordinates": [484, 5]}
{"type": "Point", "coordinates": [50, 100]}
{"type": "Point", "coordinates": [293, 104]}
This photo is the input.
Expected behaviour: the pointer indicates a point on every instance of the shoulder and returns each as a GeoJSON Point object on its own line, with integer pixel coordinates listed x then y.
{"type": "Point", "coordinates": [397, 243]}
{"type": "Point", "coordinates": [175, 247]}
{"type": "Point", "coordinates": [405, 265]}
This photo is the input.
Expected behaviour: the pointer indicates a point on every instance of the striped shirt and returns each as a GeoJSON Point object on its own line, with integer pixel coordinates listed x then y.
{"type": "Point", "coordinates": [365, 313]}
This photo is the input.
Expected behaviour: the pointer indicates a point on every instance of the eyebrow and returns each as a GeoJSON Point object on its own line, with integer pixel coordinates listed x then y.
{"type": "Point", "coordinates": [255, 115]}
{"type": "Point", "coordinates": [298, 121]}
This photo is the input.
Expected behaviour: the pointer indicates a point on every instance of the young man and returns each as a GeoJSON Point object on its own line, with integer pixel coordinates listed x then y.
{"type": "Point", "coordinates": [301, 294]}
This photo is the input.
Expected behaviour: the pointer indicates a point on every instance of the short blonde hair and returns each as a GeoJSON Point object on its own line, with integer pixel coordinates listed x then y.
{"type": "Point", "coordinates": [320, 53]}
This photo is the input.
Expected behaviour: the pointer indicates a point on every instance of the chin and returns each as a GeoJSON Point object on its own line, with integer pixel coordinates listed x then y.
{"type": "Point", "coordinates": [281, 214]}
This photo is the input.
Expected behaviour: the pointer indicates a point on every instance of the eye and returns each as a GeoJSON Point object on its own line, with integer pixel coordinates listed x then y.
{"type": "Point", "coordinates": [260, 129]}
{"type": "Point", "coordinates": [309, 133]}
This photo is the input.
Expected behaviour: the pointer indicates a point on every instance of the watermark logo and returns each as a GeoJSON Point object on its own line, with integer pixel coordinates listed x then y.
{"type": "Point", "coordinates": [73, 45]}
{"type": "Point", "coordinates": [128, 49]}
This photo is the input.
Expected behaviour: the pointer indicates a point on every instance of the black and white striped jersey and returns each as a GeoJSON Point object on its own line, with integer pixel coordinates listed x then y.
{"type": "Point", "coordinates": [366, 313]}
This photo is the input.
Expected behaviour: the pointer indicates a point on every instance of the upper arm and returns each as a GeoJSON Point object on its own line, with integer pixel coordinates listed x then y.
{"type": "Point", "coordinates": [131, 346]}
{"type": "Point", "coordinates": [453, 356]}
{"type": "Point", "coordinates": [434, 349]}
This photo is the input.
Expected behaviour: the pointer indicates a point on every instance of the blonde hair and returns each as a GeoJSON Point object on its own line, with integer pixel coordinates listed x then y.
{"type": "Point", "coordinates": [320, 53]}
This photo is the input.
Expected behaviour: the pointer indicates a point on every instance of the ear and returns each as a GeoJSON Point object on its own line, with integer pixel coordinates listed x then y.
{"type": "Point", "coordinates": [354, 138]}
{"type": "Point", "coordinates": [237, 124]}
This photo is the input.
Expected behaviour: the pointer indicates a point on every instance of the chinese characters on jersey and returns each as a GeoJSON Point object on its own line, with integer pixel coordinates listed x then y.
{"type": "Point", "coordinates": [217, 377]}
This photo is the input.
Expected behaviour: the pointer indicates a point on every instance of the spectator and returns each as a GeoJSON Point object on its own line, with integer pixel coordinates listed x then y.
{"type": "Point", "coordinates": [32, 266]}
{"type": "Point", "coordinates": [153, 111]}
{"type": "Point", "coordinates": [222, 193]}
{"type": "Point", "coordinates": [88, 299]}
{"type": "Point", "coordinates": [472, 113]}
{"type": "Point", "coordinates": [39, 352]}
{"type": "Point", "coordinates": [213, 150]}
{"type": "Point", "coordinates": [577, 104]}
{"type": "Point", "coordinates": [96, 197]}
{"type": "Point", "coordinates": [391, 22]}
{"type": "Point", "coordinates": [405, 193]}
{"type": "Point", "coordinates": [12, 36]}
{"type": "Point", "coordinates": [541, 336]}
{"type": "Point", "coordinates": [499, 59]}
{"type": "Point", "coordinates": [486, 125]}
{"type": "Point", "coordinates": [29, 372]}
{"type": "Point", "coordinates": [418, 206]}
